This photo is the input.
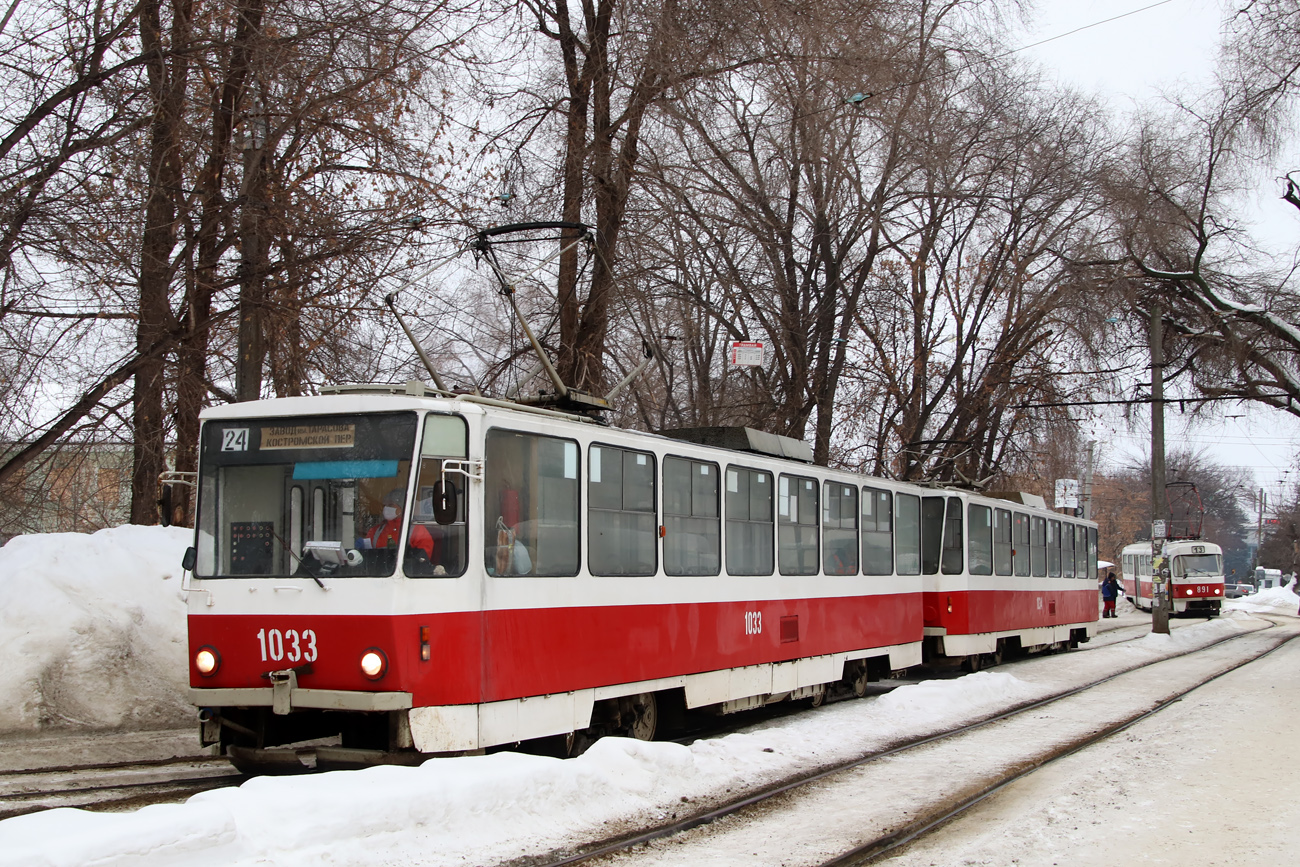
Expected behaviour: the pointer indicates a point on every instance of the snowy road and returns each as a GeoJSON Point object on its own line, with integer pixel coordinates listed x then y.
{"type": "Point", "coordinates": [500, 808]}
{"type": "Point", "coordinates": [855, 808]}
{"type": "Point", "coordinates": [1209, 781]}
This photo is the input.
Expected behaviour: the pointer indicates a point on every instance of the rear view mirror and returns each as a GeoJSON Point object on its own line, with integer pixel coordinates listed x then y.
{"type": "Point", "coordinates": [190, 558]}
{"type": "Point", "coordinates": [165, 506]}
{"type": "Point", "coordinates": [444, 502]}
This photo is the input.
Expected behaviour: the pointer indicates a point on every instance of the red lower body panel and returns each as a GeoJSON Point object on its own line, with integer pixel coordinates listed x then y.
{"type": "Point", "coordinates": [972, 612]}
{"type": "Point", "coordinates": [487, 656]}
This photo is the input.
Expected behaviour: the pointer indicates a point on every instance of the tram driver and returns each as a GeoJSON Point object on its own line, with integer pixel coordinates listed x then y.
{"type": "Point", "coordinates": [388, 529]}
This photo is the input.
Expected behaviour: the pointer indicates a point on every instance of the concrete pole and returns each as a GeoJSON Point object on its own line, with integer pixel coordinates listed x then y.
{"type": "Point", "coordinates": [1161, 603]}
{"type": "Point", "coordinates": [1259, 526]}
{"type": "Point", "coordinates": [1087, 482]}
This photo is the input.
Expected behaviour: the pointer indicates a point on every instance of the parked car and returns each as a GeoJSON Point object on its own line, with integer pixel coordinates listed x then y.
{"type": "Point", "coordinates": [1236, 591]}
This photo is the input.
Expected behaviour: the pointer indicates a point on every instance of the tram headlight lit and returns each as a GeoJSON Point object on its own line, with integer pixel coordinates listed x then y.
{"type": "Point", "coordinates": [1189, 591]}
{"type": "Point", "coordinates": [207, 661]}
{"type": "Point", "coordinates": [373, 663]}
{"type": "Point", "coordinates": [1217, 591]}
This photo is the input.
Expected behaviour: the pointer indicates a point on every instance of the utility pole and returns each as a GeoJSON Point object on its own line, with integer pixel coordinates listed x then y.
{"type": "Point", "coordinates": [1160, 602]}
{"type": "Point", "coordinates": [1262, 503]}
{"type": "Point", "coordinates": [1087, 482]}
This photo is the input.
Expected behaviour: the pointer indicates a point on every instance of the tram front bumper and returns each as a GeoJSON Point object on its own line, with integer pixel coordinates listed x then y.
{"type": "Point", "coordinates": [285, 698]}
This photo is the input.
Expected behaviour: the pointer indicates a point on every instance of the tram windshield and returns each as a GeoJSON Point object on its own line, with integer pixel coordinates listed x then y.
{"type": "Point", "coordinates": [319, 496]}
{"type": "Point", "coordinates": [1198, 566]}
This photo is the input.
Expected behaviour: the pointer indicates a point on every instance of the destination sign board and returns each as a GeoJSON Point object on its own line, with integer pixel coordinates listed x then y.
{"type": "Point", "coordinates": [309, 436]}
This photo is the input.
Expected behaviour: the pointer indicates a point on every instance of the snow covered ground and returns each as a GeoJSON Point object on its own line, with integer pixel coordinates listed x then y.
{"type": "Point", "coordinates": [1208, 781]}
{"type": "Point", "coordinates": [102, 619]}
{"type": "Point", "coordinates": [93, 630]}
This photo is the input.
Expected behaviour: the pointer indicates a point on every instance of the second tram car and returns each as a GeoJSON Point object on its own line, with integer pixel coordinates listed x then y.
{"type": "Point", "coordinates": [418, 574]}
{"type": "Point", "coordinates": [1195, 575]}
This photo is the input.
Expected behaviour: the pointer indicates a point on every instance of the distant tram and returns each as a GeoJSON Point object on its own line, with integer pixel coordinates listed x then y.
{"type": "Point", "coordinates": [1195, 570]}
{"type": "Point", "coordinates": [415, 573]}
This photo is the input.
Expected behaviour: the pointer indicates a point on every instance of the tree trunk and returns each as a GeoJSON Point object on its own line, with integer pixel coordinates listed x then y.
{"type": "Point", "coordinates": [167, 90]}
{"type": "Point", "coordinates": [191, 386]}
{"type": "Point", "coordinates": [253, 245]}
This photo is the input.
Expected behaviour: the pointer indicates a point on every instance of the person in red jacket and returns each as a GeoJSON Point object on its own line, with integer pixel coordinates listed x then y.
{"type": "Point", "coordinates": [387, 533]}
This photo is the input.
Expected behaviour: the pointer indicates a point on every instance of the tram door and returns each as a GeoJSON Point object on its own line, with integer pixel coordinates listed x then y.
{"type": "Point", "coordinates": [319, 510]}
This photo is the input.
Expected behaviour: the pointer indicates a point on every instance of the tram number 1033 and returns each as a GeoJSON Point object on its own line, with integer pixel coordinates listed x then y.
{"type": "Point", "coordinates": [290, 645]}
{"type": "Point", "coordinates": [753, 622]}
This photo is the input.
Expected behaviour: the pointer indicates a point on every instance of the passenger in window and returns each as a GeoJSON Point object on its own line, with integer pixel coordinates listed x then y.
{"type": "Point", "coordinates": [388, 530]}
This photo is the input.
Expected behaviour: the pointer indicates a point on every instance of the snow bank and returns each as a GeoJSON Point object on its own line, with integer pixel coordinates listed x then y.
{"type": "Point", "coordinates": [92, 629]}
{"type": "Point", "coordinates": [477, 809]}
{"type": "Point", "coordinates": [447, 806]}
{"type": "Point", "coordinates": [1270, 600]}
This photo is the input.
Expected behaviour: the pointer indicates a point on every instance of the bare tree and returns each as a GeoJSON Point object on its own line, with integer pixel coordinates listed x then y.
{"type": "Point", "coordinates": [890, 223]}
{"type": "Point", "coordinates": [618, 60]}
{"type": "Point", "coordinates": [1231, 320]}
{"type": "Point", "coordinates": [275, 152]}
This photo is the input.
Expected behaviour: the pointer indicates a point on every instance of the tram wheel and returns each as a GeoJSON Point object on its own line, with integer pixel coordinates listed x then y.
{"type": "Point", "coordinates": [858, 678]}
{"type": "Point", "coordinates": [972, 663]}
{"type": "Point", "coordinates": [645, 720]}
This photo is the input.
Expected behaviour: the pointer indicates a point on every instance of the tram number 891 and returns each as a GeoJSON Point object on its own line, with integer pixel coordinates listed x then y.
{"type": "Point", "coordinates": [290, 645]}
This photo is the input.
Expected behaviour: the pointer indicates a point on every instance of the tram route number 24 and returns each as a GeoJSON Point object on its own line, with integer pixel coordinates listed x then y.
{"type": "Point", "coordinates": [234, 439]}
{"type": "Point", "coordinates": [753, 622]}
{"type": "Point", "coordinates": [290, 645]}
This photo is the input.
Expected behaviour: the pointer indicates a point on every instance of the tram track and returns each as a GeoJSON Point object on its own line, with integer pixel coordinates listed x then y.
{"type": "Point", "coordinates": [125, 785]}
{"type": "Point", "coordinates": [926, 817]}
{"type": "Point", "coordinates": [112, 785]}
{"type": "Point", "coordinates": [888, 844]}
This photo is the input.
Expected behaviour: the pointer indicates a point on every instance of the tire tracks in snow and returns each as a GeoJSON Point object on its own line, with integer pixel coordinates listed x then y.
{"type": "Point", "coordinates": [861, 809]}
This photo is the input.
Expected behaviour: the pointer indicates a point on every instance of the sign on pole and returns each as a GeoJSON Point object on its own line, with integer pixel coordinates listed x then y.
{"type": "Point", "coordinates": [1157, 529]}
{"type": "Point", "coordinates": [1067, 493]}
{"type": "Point", "coordinates": [747, 353]}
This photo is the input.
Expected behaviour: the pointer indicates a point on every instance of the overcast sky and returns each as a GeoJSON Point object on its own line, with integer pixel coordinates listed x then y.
{"type": "Point", "coordinates": [1132, 57]}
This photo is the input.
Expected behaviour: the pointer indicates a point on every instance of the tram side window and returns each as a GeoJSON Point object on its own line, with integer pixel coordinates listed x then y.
{"type": "Point", "coordinates": [877, 532]}
{"type": "Point", "coordinates": [750, 531]}
{"type": "Point", "coordinates": [1067, 550]}
{"type": "Point", "coordinates": [1038, 546]}
{"type": "Point", "coordinates": [1092, 553]}
{"type": "Point", "coordinates": [932, 511]}
{"type": "Point", "coordinates": [1002, 541]}
{"type": "Point", "coordinates": [1054, 549]}
{"type": "Point", "coordinates": [440, 501]}
{"type": "Point", "coordinates": [981, 539]}
{"type": "Point", "coordinates": [1081, 554]}
{"type": "Point", "coordinates": [907, 534]}
{"type": "Point", "coordinates": [1020, 549]}
{"type": "Point", "coordinates": [840, 529]}
{"type": "Point", "coordinates": [621, 523]}
{"type": "Point", "coordinates": [693, 540]}
{"type": "Point", "coordinates": [796, 525]}
{"type": "Point", "coordinates": [530, 504]}
{"type": "Point", "coordinates": [952, 538]}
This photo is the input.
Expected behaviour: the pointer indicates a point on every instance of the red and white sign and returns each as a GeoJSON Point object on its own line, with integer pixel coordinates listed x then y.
{"type": "Point", "coordinates": [748, 353]}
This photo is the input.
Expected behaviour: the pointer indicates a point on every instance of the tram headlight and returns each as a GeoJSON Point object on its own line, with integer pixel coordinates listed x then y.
{"type": "Point", "coordinates": [207, 661]}
{"type": "Point", "coordinates": [1189, 591]}
{"type": "Point", "coordinates": [1218, 590]}
{"type": "Point", "coordinates": [374, 663]}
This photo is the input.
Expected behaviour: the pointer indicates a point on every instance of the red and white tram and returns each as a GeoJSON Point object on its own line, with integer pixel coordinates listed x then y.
{"type": "Point", "coordinates": [549, 575]}
{"type": "Point", "coordinates": [1195, 575]}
